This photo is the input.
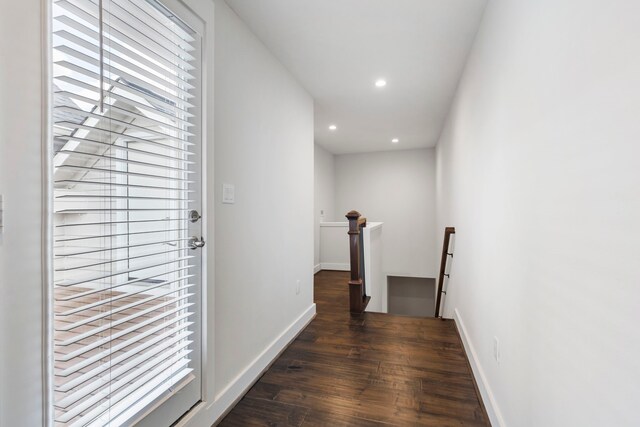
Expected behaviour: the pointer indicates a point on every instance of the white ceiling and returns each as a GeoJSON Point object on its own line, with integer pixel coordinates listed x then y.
{"type": "Point", "coordinates": [338, 48]}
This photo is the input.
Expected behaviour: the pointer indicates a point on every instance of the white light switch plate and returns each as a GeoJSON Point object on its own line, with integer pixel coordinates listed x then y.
{"type": "Point", "coordinates": [228, 193]}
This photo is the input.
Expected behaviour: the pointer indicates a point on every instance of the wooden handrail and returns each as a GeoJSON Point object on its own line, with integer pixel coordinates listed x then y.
{"type": "Point", "coordinates": [358, 298]}
{"type": "Point", "coordinates": [448, 231]}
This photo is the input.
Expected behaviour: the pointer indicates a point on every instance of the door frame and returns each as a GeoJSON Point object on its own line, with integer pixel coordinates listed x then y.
{"type": "Point", "coordinates": [200, 11]}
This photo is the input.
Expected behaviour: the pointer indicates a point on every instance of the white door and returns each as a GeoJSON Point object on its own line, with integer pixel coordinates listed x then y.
{"type": "Point", "coordinates": [127, 205]}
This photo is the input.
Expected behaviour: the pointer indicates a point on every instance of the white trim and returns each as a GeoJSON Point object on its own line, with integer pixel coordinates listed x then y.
{"type": "Point", "coordinates": [207, 285]}
{"type": "Point", "coordinates": [375, 290]}
{"type": "Point", "coordinates": [47, 214]}
{"type": "Point", "coordinates": [316, 268]}
{"type": "Point", "coordinates": [207, 414]}
{"type": "Point", "coordinates": [346, 224]}
{"type": "Point", "coordinates": [335, 266]}
{"type": "Point", "coordinates": [495, 416]}
{"type": "Point", "coordinates": [204, 11]}
{"type": "Point", "coordinates": [409, 275]}
{"type": "Point", "coordinates": [373, 225]}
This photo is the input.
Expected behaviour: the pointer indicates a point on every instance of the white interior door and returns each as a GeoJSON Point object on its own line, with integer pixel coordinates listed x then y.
{"type": "Point", "coordinates": [127, 202]}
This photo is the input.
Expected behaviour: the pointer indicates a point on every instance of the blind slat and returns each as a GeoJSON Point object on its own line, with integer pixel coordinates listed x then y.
{"type": "Point", "coordinates": [120, 88]}
{"type": "Point", "coordinates": [113, 299]}
{"type": "Point", "coordinates": [72, 182]}
{"type": "Point", "coordinates": [160, 386]}
{"type": "Point", "coordinates": [88, 12]}
{"type": "Point", "coordinates": [114, 70]}
{"type": "Point", "coordinates": [118, 107]}
{"type": "Point", "coordinates": [116, 159]}
{"type": "Point", "coordinates": [109, 352]}
{"type": "Point", "coordinates": [142, 386]}
{"type": "Point", "coordinates": [82, 393]}
{"type": "Point", "coordinates": [115, 323]}
{"type": "Point", "coordinates": [99, 196]}
{"type": "Point", "coordinates": [128, 295]}
{"type": "Point", "coordinates": [151, 104]}
{"type": "Point", "coordinates": [163, 363]}
{"type": "Point", "coordinates": [64, 356]}
{"type": "Point", "coordinates": [152, 60]}
{"type": "Point", "coordinates": [91, 44]}
{"type": "Point", "coordinates": [119, 272]}
{"type": "Point", "coordinates": [123, 15]}
{"type": "Point", "coordinates": [112, 146]}
{"type": "Point", "coordinates": [172, 24]}
{"type": "Point", "coordinates": [119, 285]}
{"type": "Point", "coordinates": [84, 265]}
{"type": "Point", "coordinates": [120, 172]}
{"type": "Point", "coordinates": [163, 339]}
{"type": "Point", "coordinates": [76, 252]}
{"type": "Point", "coordinates": [138, 233]}
{"type": "Point", "coordinates": [127, 122]}
{"type": "Point", "coordinates": [124, 136]}
{"type": "Point", "coordinates": [133, 14]}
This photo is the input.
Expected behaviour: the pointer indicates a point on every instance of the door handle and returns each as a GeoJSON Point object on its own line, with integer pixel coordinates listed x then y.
{"type": "Point", "coordinates": [194, 216]}
{"type": "Point", "coordinates": [195, 243]}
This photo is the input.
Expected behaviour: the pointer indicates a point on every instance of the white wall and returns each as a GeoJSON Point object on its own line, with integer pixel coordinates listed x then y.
{"type": "Point", "coordinates": [397, 188]}
{"type": "Point", "coordinates": [20, 240]}
{"type": "Point", "coordinates": [375, 279]}
{"type": "Point", "coordinates": [324, 194]}
{"type": "Point", "coordinates": [264, 242]}
{"type": "Point", "coordinates": [334, 246]}
{"type": "Point", "coordinates": [539, 171]}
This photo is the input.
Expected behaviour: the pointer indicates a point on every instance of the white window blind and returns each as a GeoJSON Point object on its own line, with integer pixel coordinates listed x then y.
{"type": "Point", "coordinates": [125, 113]}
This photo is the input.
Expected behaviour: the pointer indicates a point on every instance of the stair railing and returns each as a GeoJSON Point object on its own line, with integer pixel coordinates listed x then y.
{"type": "Point", "coordinates": [448, 231]}
{"type": "Point", "coordinates": [358, 298]}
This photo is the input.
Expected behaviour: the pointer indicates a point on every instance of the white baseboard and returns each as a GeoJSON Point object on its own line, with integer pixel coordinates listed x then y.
{"type": "Point", "coordinates": [317, 268]}
{"type": "Point", "coordinates": [335, 266]}
{"type": "Point", "coordinates": [208, 414]}
{"type": "Point", "coordinates": [495, 416]}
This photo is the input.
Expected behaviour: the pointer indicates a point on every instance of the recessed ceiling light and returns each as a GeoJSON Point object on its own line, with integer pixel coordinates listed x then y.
{"type": "Point", "coordinates": [381, 83]}
{"type": "Point", "coordinates": [395, 140]}
{"type": "Point", "coordinates": [333, 127]}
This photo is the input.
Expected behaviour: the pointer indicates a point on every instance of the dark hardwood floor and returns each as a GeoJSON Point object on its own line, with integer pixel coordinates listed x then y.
{"type": "Point", "coordinates": [364, 370]}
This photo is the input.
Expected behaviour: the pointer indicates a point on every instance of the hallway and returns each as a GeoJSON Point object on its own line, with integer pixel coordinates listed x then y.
{"type": "Point", "coordinates": [373, 369]}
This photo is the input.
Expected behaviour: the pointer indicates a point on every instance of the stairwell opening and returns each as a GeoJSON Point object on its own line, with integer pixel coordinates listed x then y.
{"type": "Point", "coordinates": [411, 296]}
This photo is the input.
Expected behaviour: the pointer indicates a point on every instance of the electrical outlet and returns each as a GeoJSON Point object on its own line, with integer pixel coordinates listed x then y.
{"type": "Point", "coordinates": [496, 349]}
{"type": "Point", "coordinates": [297, 287]}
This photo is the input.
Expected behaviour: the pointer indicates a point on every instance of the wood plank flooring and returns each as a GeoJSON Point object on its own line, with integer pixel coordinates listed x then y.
{"type": "Point", "coordinates": [364, 370]}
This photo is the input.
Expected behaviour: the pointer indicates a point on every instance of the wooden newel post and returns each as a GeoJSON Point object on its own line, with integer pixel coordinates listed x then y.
{"type": "Point", "coordinates": [357, 298]}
